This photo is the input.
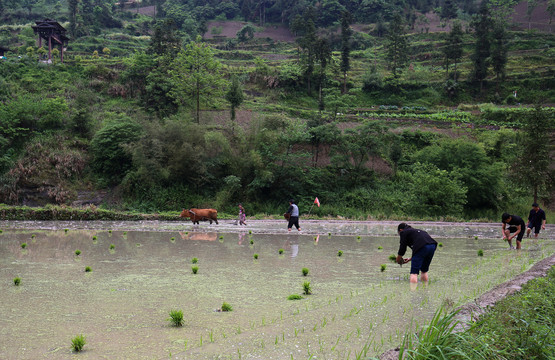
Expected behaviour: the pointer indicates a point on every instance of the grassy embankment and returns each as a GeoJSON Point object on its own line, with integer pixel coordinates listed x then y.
{"type": "Point", "coordinates": [518, 327]}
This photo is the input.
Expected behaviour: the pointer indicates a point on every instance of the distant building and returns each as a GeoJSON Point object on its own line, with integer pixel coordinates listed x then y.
{"type": "Point", "coordinates": [53, 33]}
{"type": "Point", "coordinates": [3, 50]}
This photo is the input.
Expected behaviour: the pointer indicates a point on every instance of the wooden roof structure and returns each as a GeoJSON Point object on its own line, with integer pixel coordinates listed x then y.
{"type": "Point", "coordinates": [53, 33]}
{"type": "Point", "coordinates": [3, 50]}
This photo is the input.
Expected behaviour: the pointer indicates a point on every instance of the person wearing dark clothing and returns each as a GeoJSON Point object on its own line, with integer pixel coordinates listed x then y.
{"type": "Point", "coordinates": [515, 227]}
{"type": "Point", "coordinates": [423, 249]}
{"type": "Point", "coordinates": [293, 211]}
{"type": "Point", "coordinates": [536, 220]}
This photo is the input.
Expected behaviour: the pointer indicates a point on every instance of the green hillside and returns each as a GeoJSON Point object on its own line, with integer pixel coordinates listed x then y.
{"type": "Point", "coordinates": [381, 114]}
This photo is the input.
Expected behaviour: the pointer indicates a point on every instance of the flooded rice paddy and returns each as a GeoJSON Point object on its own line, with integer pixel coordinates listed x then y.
{"type": "Point", "coordinates": [122, 305]}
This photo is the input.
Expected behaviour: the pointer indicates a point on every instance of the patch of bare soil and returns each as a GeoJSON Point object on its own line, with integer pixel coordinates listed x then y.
{"type": "Point", "coordinates": [229, 29]}
{"type": "Point", "coordinates": [538, 20]}
{"type": "Point", "coordinates": [472, 311]}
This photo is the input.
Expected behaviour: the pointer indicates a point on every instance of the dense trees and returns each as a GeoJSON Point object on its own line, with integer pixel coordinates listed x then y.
{"type": "Point", "coordinates": [197, 76]}
{"type": "Point", "coordinates": [396, 45]}
{"type": "Point", "coordinates": [123, 122]}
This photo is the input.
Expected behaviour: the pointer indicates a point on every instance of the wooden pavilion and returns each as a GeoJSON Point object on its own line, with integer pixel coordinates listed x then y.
{"type": "Point", "coordinates": [53, 33]}
{"type": "Point", "coordinates": [3, 50]}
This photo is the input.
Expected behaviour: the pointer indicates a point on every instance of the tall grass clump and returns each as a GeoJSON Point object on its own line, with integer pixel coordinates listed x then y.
{"type": "Point", "coordinates": [176, 317]}
{"type": "Point", "coordinates": [226, 307]}
{"type": "Point", "coordinates": [307, 289]}
{"type": "Point", "coordinates": [438, 340]}
{"type": "Point", "coordinates": [294, 297]}
{"type": "Point", "coordinates": [78, 342]}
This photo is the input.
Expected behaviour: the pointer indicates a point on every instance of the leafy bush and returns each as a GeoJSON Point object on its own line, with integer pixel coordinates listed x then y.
{"type": "Point", "coordinates": [176, 317]}
{"type": "Point", "coordinates": [78, 342]}
{"type": "Point", "coordinates": [111, 159]}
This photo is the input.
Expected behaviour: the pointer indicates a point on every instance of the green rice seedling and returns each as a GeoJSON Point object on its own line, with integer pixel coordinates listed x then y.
{"type": "Point", "coordinates": [380, 248]}
{"type": "Point", "coordinates": [221, 237]}
{"type": "Point", "coordinates": [329, 234]}
{"type": "Point", "coordinates": [112, 246]}
{"type": "Point", "coordinates": [194, 268]}
{"type": "Point", "coordinates": [23, 245]}
{"type": "Point", "coordinates": [125, 233]}
{"type": "Point", "coordinates": [88, 269]}
{"type": "Point", "coordinates": [94, 238]}
{"type": "Point", "coordinates": [33, 236]}
{"type": "Point", "coordinates": [340, 253]}
{"type": "Point", "coordinates": [480, 252]}
{"type": "Point", "coordinates": [250, 232]}
{"type": "Point", "coordinates": [255, 256]}
{"type": "Point", "coordinates": [77, 252]}
{"type": "Point", "coordinates": [392, 258]}
{"type": "Point", "coordinates": [109, 231]}
{"type": "Point", "coordinates": [305, 271]}
{"type": "Point", "coordinates": [16, 281]}
{"type": "Point", "coordinates": [78, 342]}
{"type": "Point", "coordinates": [475, 237]}
{"type": "Point", "coordinates": [358, 237]}
{"type": "Point", "coordinates": [307, 290]}
{"type": "Point", "coordinates": [294, 297]}
{"type": "Point", "coordinates": [176, 317]}
{"type": "Point", "coordinates": [226, 307]}
{"type": "Point", "coordinates": [440, 244]}
{"type": "Point", "coordinates": [66, 230]}
{"type": "Point", "coordinates": [1, 231]}
{"type": "Point", "coordinates": [252, 242]}
{"type": "Point", "coordinates": [280, 251]}
{"type": "Point", "coordinates": [383, 267]}
{"type": "Point", "coordinates": [194, 260]}
{"type": "Point", "coordinates": [172, 239]}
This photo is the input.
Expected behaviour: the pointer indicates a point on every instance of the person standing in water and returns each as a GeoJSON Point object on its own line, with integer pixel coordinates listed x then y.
{"type": "Point", "coordinates": [293, 211]}
{"type": "Point", "coordinates": [423, 249]}
{"type": "Point", "coordinates": [516, 227]}
{"type": "Point", "coordinates": [536, 220]}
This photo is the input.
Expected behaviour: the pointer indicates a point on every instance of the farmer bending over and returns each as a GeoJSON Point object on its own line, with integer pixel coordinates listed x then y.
{"type": "Point", "coordinates": [423, 249]}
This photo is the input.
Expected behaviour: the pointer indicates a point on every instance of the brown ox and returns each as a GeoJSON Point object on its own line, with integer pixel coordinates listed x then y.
{"type": "Point", "coordinates": [197, 215]}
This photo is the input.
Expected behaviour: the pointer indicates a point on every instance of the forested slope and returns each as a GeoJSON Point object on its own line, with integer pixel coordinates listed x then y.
{"type": "Point", "coordinates": [381, 109]}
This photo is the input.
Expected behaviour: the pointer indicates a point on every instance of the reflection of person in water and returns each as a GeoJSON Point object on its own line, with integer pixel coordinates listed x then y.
{"type": "Point", "coordinates": [241, 238]}
{"type": "Point", "coordinates": [292, 243]}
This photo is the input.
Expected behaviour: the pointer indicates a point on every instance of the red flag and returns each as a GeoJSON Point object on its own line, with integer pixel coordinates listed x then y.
{"type": "Point", "coordinates": [317, 202]}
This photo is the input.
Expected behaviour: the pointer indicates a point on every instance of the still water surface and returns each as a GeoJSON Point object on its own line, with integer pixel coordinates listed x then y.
{"type": "Point", "coordinates": [123, 304]}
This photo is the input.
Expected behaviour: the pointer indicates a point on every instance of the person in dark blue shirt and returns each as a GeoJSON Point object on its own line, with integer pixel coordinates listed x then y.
{"type": "Point", "coordinates": [516, 228]}
{"type": "Point", "coordinates": [536, 220]}
{"type": "Point", "coordinates": [423, 249]}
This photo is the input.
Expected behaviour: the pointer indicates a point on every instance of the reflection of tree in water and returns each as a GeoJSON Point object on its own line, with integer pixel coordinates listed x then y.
{"type": "Point", "coordinates": [47, 244]}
